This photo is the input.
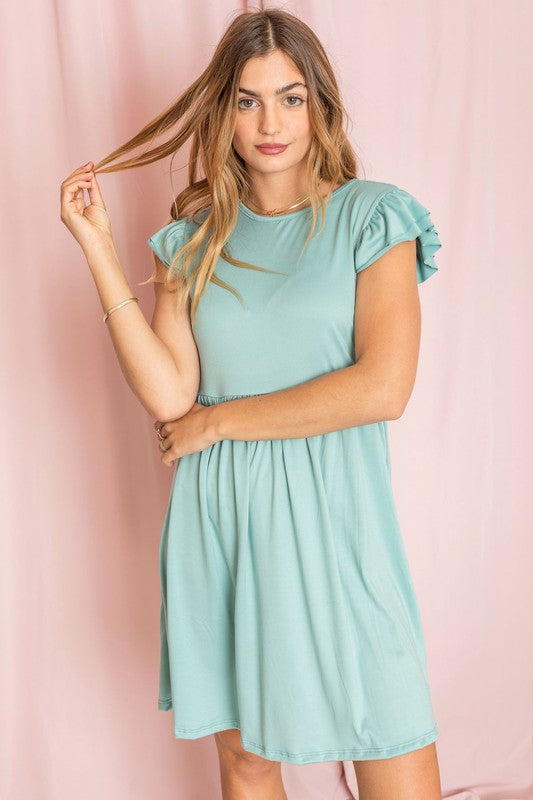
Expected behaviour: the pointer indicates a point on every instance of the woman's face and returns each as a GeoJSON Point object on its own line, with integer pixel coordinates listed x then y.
{"type": "Point", "coordinates": [265, 117]}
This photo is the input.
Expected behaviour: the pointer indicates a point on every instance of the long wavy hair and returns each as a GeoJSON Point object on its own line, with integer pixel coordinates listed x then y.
{"type": "Point", "coordinates": [206, 111]}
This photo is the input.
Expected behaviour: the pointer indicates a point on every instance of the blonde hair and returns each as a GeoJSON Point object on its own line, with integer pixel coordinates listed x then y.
{"type": "Point", "coordinates": [207, 111]}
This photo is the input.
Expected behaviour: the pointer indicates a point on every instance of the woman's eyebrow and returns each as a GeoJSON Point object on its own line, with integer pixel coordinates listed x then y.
{"type": "Point", "coordinates": [278, 91]}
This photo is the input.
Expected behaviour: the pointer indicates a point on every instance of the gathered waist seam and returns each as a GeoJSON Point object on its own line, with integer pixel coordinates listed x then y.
{"type": "Point", "coordinates": [211, 399]}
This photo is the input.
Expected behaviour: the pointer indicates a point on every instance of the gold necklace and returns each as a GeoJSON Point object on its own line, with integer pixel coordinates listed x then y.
{"type": "Point", "coordinates": [276, 211]}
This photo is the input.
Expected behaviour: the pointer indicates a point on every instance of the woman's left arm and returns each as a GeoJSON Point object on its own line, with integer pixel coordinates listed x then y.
{"type": "Point", "coordinates": [387, 327]}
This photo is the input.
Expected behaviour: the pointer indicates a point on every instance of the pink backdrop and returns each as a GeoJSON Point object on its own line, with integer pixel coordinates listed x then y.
{"type": "Point", "coordinates": [438, 97]}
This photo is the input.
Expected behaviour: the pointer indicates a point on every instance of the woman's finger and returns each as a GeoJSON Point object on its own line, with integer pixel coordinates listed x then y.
{"type": "Point", "coordinates": [71, 190]}
{"type": "Point", "coordinates": [167, 460]}
{"type": "Point", "coordinates": [78, 172]}
{"type": "Point", "coordinates": [164, 448]}
{"type": "Point", "coordinates": [86, 178]}
{"type": "Point", "coordinates": [95, 195]}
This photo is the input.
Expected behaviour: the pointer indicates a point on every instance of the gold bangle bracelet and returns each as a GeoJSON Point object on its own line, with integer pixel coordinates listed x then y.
{"type": "Point", "coordinates": [119, 305]}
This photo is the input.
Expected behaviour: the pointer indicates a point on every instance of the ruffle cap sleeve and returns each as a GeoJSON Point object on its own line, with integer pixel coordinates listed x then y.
{"type": "Point", "coordinates": [399, 217]}
{"type": "Point", "coordinates": [166, 242]}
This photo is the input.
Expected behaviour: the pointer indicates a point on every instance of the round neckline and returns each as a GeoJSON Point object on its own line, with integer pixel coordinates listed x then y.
{"type": "Point", "coordinates": [266, 218]}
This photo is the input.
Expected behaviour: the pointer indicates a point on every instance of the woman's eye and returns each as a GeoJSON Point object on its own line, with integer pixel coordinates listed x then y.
{"type": "Point", "coordinates": [290, 97]}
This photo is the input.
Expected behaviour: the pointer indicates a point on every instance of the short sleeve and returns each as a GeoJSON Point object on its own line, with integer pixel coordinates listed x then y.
{"type": "Point", "coordinates": [398, 217]}
{"type": "Point", "coordinates": [166, 242]}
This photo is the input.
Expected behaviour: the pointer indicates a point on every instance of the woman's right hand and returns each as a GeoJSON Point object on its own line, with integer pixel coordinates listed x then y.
{"type": "Point", "coordinates": [89, 224]}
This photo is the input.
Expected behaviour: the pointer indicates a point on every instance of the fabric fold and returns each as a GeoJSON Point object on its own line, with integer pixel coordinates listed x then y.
{"type": "Point", "coordinates": [397, 217]}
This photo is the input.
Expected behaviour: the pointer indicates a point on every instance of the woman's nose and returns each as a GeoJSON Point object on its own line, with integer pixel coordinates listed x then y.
{"type": "Point", "coordinates": [269, 121]}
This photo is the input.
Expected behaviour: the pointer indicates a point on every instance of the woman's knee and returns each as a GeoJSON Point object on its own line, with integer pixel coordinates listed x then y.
{"type": "Point", "coordinates": [229, 748]}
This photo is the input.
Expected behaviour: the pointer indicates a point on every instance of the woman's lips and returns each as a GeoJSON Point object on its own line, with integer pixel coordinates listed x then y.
{"type": "Point", "coordinates": [271, 151]}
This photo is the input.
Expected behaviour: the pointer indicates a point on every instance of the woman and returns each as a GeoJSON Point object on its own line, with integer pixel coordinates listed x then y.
{"type": "Point", "coordinates": [289, 623]}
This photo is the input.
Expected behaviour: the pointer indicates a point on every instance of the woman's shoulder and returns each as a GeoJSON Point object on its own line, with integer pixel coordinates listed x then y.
{"type": "Point", "coordinates": [385, 214]}
{"type": "Point", "coordinates": [374, 191]}
{"type": "Point", "coordinates": [366, 193]}
{"type": "Point", "coordinates": [374, 202]}
{"type": "Point", "coordinates": [166, 241]}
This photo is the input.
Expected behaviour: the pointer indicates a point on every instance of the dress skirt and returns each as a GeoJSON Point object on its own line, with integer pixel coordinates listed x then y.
{"type": "Point", "coordinates": [288, 609]}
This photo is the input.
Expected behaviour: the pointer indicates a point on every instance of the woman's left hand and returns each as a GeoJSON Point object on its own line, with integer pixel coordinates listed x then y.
{"type": "Point", "coordinates": [185, 435]}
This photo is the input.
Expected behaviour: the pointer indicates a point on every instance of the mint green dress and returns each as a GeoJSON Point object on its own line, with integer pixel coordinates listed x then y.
{"type": "Point", "coordinates": [287, 605]}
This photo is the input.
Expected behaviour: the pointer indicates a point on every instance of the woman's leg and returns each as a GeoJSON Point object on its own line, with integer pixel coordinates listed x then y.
{"type": "Point", "coordinates": [411, 776]}
{"type": "Point", "coordinates": [245, 775]}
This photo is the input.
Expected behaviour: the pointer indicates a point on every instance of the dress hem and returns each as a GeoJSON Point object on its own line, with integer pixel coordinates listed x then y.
{"type": "Point", "coordinates": [342, 754]}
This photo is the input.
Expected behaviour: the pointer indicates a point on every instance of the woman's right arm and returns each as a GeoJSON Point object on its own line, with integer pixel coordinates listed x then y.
{"type": "Point", "coordinates": [159, 361]}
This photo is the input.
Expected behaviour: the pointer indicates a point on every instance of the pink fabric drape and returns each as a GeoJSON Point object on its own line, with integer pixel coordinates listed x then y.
{"type": "Point", "coordinates": [437, 95]}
